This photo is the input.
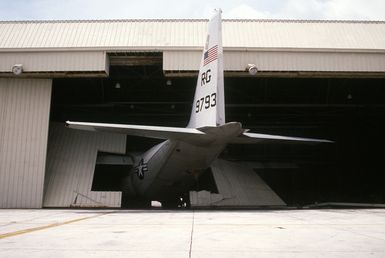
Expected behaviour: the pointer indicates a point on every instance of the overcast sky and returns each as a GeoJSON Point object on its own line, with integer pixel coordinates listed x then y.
{"type": "Point", "coordinates": [138, 9]}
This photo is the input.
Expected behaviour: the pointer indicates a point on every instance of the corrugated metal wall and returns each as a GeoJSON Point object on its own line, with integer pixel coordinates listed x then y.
{"type": "Point", "coordinates": [274, 45]}
{"type": "Point", "coordinates": [87, 61]}
{"type": "Point", "coordinates": [281, 61]}
{"type": "Point", "coordinates": [24, 118]}
{"type": "Point", "coordinates": [150, 34]}
{"type": "Point", "coordinates": [70, 167]}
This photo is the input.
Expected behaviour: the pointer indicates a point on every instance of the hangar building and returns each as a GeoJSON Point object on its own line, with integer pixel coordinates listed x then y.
{"type": "Point", "coordinates": [322, 79]}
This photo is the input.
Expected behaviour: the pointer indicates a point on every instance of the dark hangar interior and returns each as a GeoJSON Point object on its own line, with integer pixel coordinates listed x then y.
{"type": "Point", "coordinates": [348, 109]}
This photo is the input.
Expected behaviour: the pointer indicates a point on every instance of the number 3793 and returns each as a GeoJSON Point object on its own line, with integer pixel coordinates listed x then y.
{"type": "Point", "coordinates": [206, 102]}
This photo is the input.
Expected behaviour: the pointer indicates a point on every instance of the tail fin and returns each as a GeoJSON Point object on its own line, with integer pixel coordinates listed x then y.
{"type": "Point", "coordinates": [209, 100]}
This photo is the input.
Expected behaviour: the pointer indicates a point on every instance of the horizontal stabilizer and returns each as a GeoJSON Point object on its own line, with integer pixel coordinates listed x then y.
{"type": "Point", "coordinates": [251, 138]}
{"type": "Point", "coordinates": [158, 132]}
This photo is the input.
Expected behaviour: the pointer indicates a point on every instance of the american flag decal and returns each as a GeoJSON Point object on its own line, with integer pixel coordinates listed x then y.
{"type": "Point", "coordinates": [210, 55]}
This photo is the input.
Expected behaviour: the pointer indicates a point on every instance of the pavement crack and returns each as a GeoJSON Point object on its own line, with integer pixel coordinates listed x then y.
{"type": "Point", "coordinates": [191, 233]}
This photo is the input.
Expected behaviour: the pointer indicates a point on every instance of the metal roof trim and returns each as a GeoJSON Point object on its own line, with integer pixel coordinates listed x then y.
{"type": "Point", "coordinates": [194, 20]}
{"type": "Point", "coordinates": [191, 48]}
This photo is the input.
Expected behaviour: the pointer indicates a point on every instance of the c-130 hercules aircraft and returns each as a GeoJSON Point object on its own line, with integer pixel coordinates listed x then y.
{"type": "Point", "coordinates": [168, 169]}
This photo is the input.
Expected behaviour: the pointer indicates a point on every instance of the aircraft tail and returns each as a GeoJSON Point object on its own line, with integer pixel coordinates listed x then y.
{"type": "Point", "coordinates": [207, 120]}
{"type": "Point", "coordinates": [209, 100]}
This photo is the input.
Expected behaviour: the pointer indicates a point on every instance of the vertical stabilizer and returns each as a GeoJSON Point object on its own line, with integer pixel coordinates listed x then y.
{"type": "Point", "coordinates": [208, 106]}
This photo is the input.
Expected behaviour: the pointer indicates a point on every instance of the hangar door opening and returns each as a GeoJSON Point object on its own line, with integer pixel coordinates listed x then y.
{"type": "Point", "coordinates": [349, 111]}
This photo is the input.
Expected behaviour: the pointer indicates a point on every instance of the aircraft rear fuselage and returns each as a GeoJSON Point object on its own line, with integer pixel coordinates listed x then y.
{"type": "Point", "coordinates": [172, 166]}
{"type": "Point", "coordinates": [179, 164]}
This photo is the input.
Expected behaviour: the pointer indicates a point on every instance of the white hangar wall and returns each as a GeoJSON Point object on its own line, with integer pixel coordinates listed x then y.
{"type": "Point", "coordinates": [59, 61]}
{"type": "Point", "coordinates": [24, 119]}
{"type": "Point", "coordinates": [273, 45]}
{"type": "Point", "coordinates": [282, 61]}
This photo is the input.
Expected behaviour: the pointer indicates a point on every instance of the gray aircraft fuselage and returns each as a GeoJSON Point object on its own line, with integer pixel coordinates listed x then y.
{"type": "Point", "coordinates": [169, 168]}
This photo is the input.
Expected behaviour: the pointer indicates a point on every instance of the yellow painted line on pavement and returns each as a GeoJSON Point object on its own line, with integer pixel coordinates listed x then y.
{"type": "Point", "coordinates": [29, 230]}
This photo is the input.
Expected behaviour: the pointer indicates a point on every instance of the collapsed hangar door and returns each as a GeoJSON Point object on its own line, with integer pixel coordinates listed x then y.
{"type": "Point", "coordinates": [70, 169]}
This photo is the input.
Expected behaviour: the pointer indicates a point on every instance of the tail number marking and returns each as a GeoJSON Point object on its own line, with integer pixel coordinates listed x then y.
{"type": "Point", "coordinates": [205, 77]}
{"type": "Point", "coordinates": [207, 102]}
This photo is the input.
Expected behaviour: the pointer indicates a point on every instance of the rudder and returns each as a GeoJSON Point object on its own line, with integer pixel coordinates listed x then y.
{"type": "Point", "coordinates": [208, 106]}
